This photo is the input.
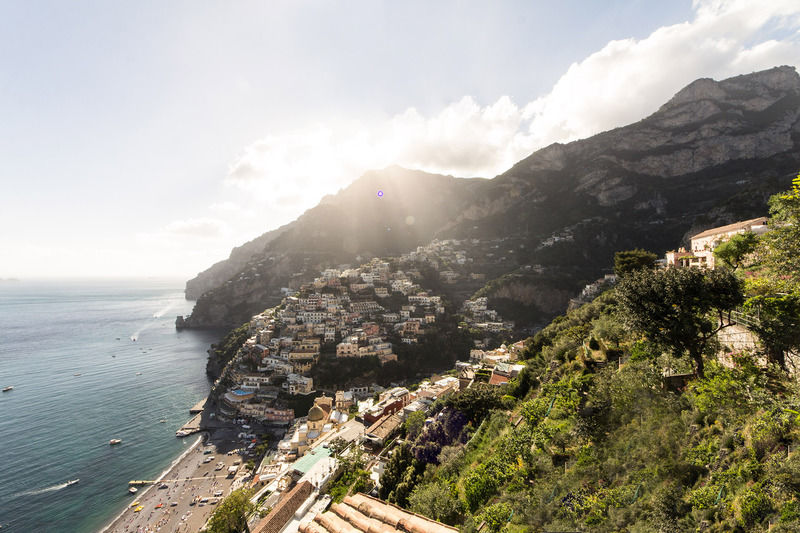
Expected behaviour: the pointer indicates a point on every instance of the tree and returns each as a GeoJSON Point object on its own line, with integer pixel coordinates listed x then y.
{"type": "Point", "coordinates": [780, 248]}
{"type": "Point", "coordinates": [400, 462]}
{"type": "Point", "coordinates": [414, 424]}
{"type": "Point", "coordinates": [733, 251]}
{"type": "Point", "coordinates": [337, 445]}
{"type": "Point", "coordinates": [607, 327]}
{"type": "Point", "coordinates": [476, 401]}
{"type": "Point", "coordinates": [632, 260]}
{"type": "Point", "coordinates": [777, 324]}
{"type": "Point", "coordinates": [672, 307]}
{"type": "Point", "coordinates": [231, 514]}
{"type": "Point", "coordinates": [437, 500]}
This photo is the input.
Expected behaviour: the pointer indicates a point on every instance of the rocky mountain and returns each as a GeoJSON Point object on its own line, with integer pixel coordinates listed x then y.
{"type": "Point", "coordinates": [711, 155]}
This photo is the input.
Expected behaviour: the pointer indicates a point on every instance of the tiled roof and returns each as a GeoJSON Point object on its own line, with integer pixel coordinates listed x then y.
{"type": "Point", "coordinates": [280, 515]}
{"type": "Point", "coordinates": [305, 463]}
{"type": "Point", "coordinates": [745, 224]}
{"type": "Point", "coordinates": [385, 426]}
{"type": "Point", "coordinates": [497, 379]}
{"type": "Point", "coordinates": [362, 513]}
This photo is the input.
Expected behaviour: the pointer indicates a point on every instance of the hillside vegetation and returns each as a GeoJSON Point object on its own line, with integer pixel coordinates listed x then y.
{"type": "Point", "coordinates": [624, 419]}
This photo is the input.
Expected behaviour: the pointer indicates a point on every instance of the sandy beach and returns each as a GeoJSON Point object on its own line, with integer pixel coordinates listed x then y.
{"type": "Point", "coordinates": [194, 475]}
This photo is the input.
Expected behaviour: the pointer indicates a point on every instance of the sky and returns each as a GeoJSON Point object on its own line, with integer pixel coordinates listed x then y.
{"type": "Point", "coordinates": [147, 138]}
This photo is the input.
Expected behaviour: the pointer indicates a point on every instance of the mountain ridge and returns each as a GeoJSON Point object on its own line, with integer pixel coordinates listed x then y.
{"type": "Point", "coordinates": [713, 153]}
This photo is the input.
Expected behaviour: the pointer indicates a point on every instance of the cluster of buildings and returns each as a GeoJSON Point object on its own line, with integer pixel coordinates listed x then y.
{"type": "Point", "coordinates": [592, 290]}
{"type": "Point", "coordinates": [442, 256]}
{"type": "Point", "coordinates": [478, 315]}
{"type": "Point", "coordinates": [495, 367]}
{"type": "Point", "coordinates": [295, 479]}
{"type": "Point", "coordinates": [701, 253]}
{"type": "Point", "coordinates": [349, 312]}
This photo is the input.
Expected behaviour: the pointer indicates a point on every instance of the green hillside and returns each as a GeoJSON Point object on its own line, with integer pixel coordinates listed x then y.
{"type": "Point", "coordinates": [626, 421]}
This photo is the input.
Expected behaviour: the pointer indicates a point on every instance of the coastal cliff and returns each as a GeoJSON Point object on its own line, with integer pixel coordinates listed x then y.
{"type": "Point", "coordinates": [710, 155]}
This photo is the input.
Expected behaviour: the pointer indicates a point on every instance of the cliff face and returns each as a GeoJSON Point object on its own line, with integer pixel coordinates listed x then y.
{"type": "Point", "coordinates": [711, 155]}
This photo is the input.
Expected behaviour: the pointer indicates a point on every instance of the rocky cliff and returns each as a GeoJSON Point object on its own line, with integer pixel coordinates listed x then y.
{"type": "Point", "coordinates": [711, 155]}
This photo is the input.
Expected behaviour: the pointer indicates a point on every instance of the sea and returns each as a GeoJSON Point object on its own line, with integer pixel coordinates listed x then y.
{"type": "Point", "coordinates": [91, 361]}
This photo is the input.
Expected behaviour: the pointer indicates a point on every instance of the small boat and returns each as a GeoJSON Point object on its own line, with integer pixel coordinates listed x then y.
{"type": "Point", "coordinates": [114, 441]}
{"type": "Point", "coordinates": [159, 506]}
{"type": "Point", "coordinates": [78, 374]}
{"type": "Point", "coordinates": [162, 421]}
{"type": "Point", "coordinates": [10, 387]}
{"type": "Point", "coordinates": [133, 490]}
{"type": "Point", "coordinates": [134, 504]}
{"type": "Point", "coordinates": [72, 482]}
{"type": "Point", "coordinates": [138, 509]}
{"type": "Point", "coordinates": [138, 373]}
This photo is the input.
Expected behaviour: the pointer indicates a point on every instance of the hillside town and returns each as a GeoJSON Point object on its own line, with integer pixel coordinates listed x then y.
{"type": "Point", "coordinates": [297, 456]}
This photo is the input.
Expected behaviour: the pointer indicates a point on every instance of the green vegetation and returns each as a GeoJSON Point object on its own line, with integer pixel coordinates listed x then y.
{"type": "Point", "coordinates": [352, 477]}
{"type": "Point", "coordinates": [226, 349]}
{"type": "Point", "coordinates": [633, 260]}
{"type": "Point", "coordinates": [673, 307]}
{"type": "Point", "coordinates": [230, 516]}
{"type": "Point", "coordinates": [439, 348]}
{"type": "Point", "coordinates": [733, 252]}
{"type": "Point", "coordinates": [596, 435]}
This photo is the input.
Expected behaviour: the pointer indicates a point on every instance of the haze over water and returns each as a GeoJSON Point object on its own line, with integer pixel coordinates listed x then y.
{"type": "Point", "coordinates": [55, 425]}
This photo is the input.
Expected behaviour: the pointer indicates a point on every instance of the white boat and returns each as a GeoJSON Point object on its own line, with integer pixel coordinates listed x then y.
{"type": "Point", "coordinates": [10, 387]}
{"type": "Point", "coordinates": [114, 441]}
{"type": "Point", "coordinates": [72, 482]}
{"type": "Point", "coordinates": [133, 490]}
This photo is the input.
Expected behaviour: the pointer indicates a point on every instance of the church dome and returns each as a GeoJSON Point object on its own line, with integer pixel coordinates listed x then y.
{"type": "Point", "coordinates": [315, 414]}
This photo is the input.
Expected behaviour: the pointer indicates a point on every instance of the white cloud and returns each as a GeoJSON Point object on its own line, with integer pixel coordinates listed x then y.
{"type": "Point", "coordinates": [629, 79]}
{"type": "Point", "coordinates": [621, 83]}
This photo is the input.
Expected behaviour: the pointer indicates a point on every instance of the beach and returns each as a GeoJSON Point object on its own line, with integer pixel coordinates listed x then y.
{"type": "Point", "coordinates": [194, 475]}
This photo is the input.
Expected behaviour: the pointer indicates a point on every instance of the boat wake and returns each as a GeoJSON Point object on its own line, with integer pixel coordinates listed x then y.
{"type": "Point", "coordinates": [52, 488]}
{"type": "Point", "coordinates": [162, 312]}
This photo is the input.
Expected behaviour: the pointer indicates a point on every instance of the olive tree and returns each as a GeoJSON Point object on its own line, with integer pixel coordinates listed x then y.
{"type": "Point", "coordinates": [680, 308]}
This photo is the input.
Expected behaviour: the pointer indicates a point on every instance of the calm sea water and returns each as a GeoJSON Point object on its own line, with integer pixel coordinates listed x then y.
{"type": "Point", "coordinates": [55, 425]}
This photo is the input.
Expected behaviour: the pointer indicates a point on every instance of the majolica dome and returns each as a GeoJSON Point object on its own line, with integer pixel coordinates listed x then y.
{"type": "Point", "coordinates": [315, 414]}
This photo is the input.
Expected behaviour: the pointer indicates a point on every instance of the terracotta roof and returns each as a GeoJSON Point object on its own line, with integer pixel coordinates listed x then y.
{"type": "Point", "coordinates": [745, 224]}
{"type": "Point", "coordinates": [280, 515]}
{"type": "Point", "coordinates": [497, 379]}
{"type": "Point", "coordinates": [362, 513]}
{"type": "Point", "coordinates": [385, 426]}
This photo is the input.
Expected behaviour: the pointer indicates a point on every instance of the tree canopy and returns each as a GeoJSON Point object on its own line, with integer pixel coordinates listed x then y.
{"type": "Point", "coordinates": [231, 514]}
{"type": "Point", "coordinates": [632, 260]}
{"type": "Point", "coordinates": [781, 246]}
{"type": "Point", "coordinates": [732, 252]}
{"type": "Point", "coordinates": [672, 307]}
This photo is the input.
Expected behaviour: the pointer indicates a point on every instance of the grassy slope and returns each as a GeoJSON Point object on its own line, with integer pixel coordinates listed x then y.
{"type": "Point", "coordinates": [607, 448]}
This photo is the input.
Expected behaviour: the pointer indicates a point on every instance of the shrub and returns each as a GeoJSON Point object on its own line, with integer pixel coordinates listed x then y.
{"type": "Point", "coordinates": [754, 505]}
{"type": "Point", "coordinates": [790, 511]}
{"type": "Point", "coordinates": [497, 515]}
